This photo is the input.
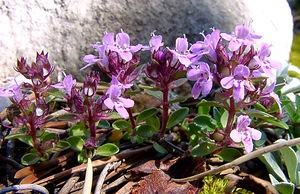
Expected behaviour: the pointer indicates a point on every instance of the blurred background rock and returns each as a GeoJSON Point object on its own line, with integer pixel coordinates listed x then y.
{"type": "Point", "coordinates": [66, 28]}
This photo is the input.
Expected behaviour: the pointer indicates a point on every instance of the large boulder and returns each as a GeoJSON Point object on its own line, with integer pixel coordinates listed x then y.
{"type": "Point", "coordinates": [65, 29]}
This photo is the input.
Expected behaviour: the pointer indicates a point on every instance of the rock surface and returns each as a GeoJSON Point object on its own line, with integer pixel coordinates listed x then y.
{"type": "Point", "coordinates": [66, 28]}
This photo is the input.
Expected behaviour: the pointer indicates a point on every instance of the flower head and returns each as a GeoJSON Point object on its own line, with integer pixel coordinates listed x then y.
{"type": "Point", "coordinates": [238, 81]}
{"type": "Point", "coordinates": [203, 77]}
{"type": "Point", "coordinates": [243, 133]}
{"type": "Point", "coordinates": [181, 51]}
{"type": "Point", "coordinates": [67, 84]}
{"type": "Point", "coordinates": [265, 64]}
{"type": "Point", "coordinates": [241, 36]}
{"type": "Point", "coordinates": [115, 100]}
{"type": "Point", "coordinates": [207, 47]}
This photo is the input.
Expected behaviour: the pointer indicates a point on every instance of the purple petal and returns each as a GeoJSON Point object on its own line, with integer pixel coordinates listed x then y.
{"type": "Point", "coordinates": [193, 74]}
{"type": "Point", "coordinates": [235, 135]}
{"type": "Point", "coordinates": [109, 103]}
{"type": "Point", "coordinates": [125, 55]}
{"type": "Point", "coordinates": [247, 141]}
{"type": "Point", "coordinates": [108, 39]}
{"type": "Point", "coordinates": [121, 110]}
{"type": "Point", "coordinates": [197, 88]}
{"type": "Point", "coordinates": [238, 90]}
{"type": "Point", "coordinates": [184, 60]}
{"type": "Point", "coordinates": [182, 45]}
{"type": "Point", "coordinates": [136, 48]}
{"type": "Point", "coordinates": [227, 82]}
{"type": "Point", "coordinates": [225, 36]}
{"type": "Point", "coordinates": [255, 134]}
{"type": "Point", "coordinates": [127, 103]}
{"type": "Point", "coordinates": [206, 87]}
{"type": "Point", "coordinates": [123, 40]}
{"type": "Point", "coordinates": [242, 71]}
{"type": "Point", "coordinates": [155, 42]}
{"type": "Point", "coordinates": [234, 45]}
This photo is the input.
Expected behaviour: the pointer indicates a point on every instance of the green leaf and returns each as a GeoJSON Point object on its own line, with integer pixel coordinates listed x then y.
{"type": "Point", "coordinates": [30, 159]}
{"type": "Point", "coordinates": [298, 104]}
{"type": "Point", "coordinates": [229, 154]}
{"type": "Point", "coordinates": [107, 149]}
{"type": "Point", "coordinates": [62, 145]}
{"type": "Point", "coordinates": [48, 136]}
{"type": "Point", "coordinates": [178, 99]}
{"type": "Point", "coordinates": [179, 74]}
{"type": "Point", "coordinates": [81, 157]}
{"type": "Point", "coordinates": [15, 136]}
{"type": "Point", "coordinates": [291, 162]}
{"type": "Point", "coordinates": [153, 121]}
{"type": "Point", "coordinates": [177, 83]}
{"type": "Point", "coordinates": [278, 123]}
{"type": "Point", "coordinates": [204, 149]}
{"type": "Point", "coordinates": [144, 130]}
{"type": "Point", "coordinates": [159, 148]}
{"type": "Point", "coordinates": [148, 88]}
{"type": "Point", "coordinates": [27, 139]}
{"type": "Point", "coordinates": [224, 119]}
{"type": "Point", "coordinates": [259, 114]}
{"type": "Point", "coordinates": [76, 143]}
{"type": "Point", "coordinates": [79, 130]}
{"type": "Point", "coordinates": [206, 123]}
{"type": "Point", "coordinates": [285, 188]}
{"type": "Point", "coordinates": [156, 94]}
{"type": "Point", "coordinates": [203, 109]}
{"type": "Point", "coordinates": [146, 114]}
{"type": "Point", "coordinates": [103, 124]}
{"type": "Point", "coordinates": [177, 116]}
{"type": "Point", "coordinates": [211, 104]}
{"type": "Point", "coordinates": [272, 166]}
{"type": "Point", "coordinates": [121, 124]}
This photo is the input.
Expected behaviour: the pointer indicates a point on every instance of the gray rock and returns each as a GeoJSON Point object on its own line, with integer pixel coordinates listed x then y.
{"type": "Point", "coordinates": [65, 28]}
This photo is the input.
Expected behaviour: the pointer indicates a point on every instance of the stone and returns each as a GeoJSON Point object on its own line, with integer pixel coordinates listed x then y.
{"type": "Point", "coordinates": [66, 28]}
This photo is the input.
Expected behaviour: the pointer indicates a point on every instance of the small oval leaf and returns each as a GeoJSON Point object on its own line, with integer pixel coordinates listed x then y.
{"type": "Point", "coordinates": [76, 143]}
{"type": "Point", "coordinates": [146, 114]}
{"type": "Point", "coordinates": [144, 130]}
{"type": "Point", "coordinates": [121, 124]}
{"type": "Point", "coordinates": [30, 159]}
{"type": "Point", "coordinates": [204, 149]}
{"type": "Point", "coordinates": [107, 149]}
{"type": "Point", "coordinates": [177, 116]}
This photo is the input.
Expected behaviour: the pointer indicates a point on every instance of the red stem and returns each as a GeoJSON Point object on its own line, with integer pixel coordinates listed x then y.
{"type": "Point", "coordinates": [165, 114]}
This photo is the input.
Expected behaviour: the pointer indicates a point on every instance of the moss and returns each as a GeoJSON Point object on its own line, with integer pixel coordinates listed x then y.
{"type": "Point", "coordinates": [295, 52]}
{"type": "Point", "coordinates": [214, 185]}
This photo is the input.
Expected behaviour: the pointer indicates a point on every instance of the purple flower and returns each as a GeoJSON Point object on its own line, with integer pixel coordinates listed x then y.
{"type": "Point", "coordinates": [240, 36]}
{"type": "Point", "coordinates": [122, 46]}
{"type": "Point", "coordinates": [13, 92]}
{"type": "Point", "coordinates": [207, 47]}
{"type": "Point", "coordinates": [266, 65]}
{"type": "Point", "coordinates": [267, 96]}
{"type": "Point", "coordinates": [181, 51]}
{"type": "Point", "coordinates": [239, 80]}
{"type": "Point", "coordinates": [67, 84]}
{"type": "Point", "coordinates": [244, 133]}
{"type": "Point", "coordinates": [115, 100]}
{"type": "Point", "coordinates": [203, 77]}
{"type": "Point", "coordinates": [155, 43]}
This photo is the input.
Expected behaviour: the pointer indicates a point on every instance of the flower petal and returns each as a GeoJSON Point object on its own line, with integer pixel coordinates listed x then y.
{"type": "Point", "coordinates": [235, 135]}
{"type": "Point", "coordinates": [127, 103]}
{"type": "Point", "coordinates": [227, 82]}
{"type": "Point", "coordinates": [109, 103]}
{"type": "Point", "coordinates": [121, 110]}
{"type": "Point", "coordinates": [255, 134]}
